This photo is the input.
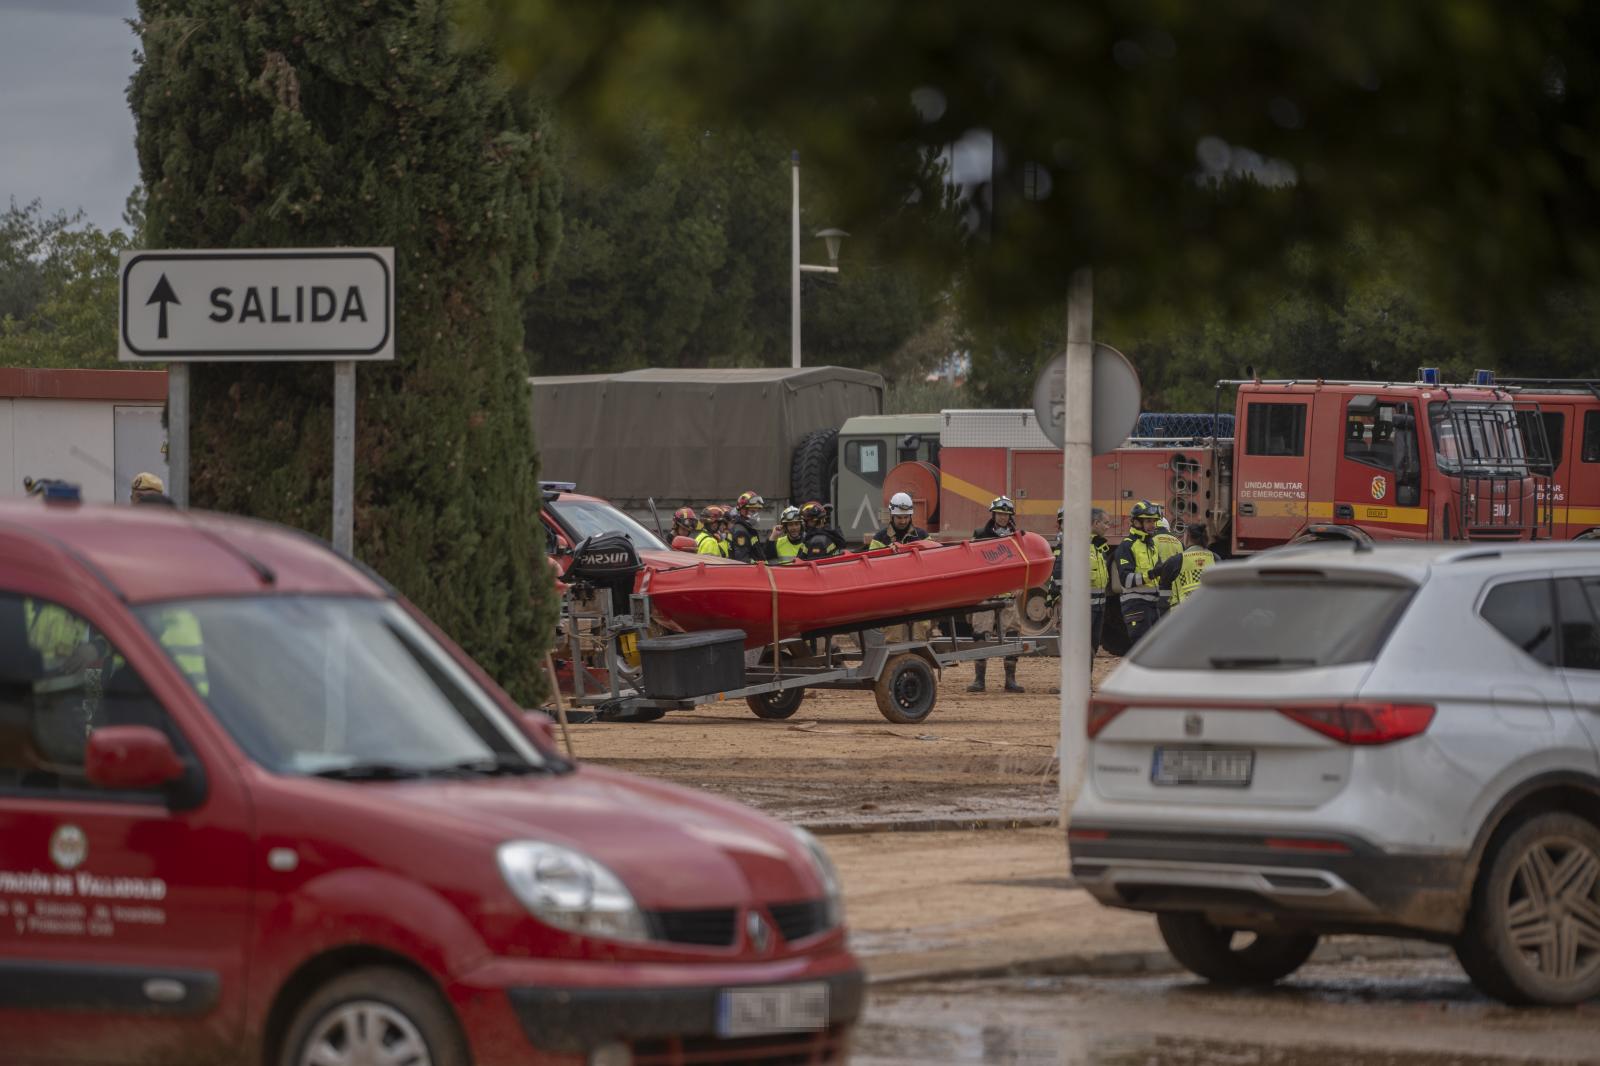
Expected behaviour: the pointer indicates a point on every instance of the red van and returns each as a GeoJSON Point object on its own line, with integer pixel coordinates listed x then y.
{"type": "Point", "coordinates": [254, 808]}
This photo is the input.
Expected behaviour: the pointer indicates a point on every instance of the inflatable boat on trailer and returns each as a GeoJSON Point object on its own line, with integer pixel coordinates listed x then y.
{"type": "Point", "coordinates": [616, 595]}
{"type": "Point", "coordinates": [893, 584]}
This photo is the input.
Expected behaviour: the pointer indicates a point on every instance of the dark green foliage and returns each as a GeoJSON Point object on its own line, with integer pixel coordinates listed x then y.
{"type": "Point", "coordinates": [676, 253]}
{"type": "Point", "coordinates": [332, 122]}
{"type": "Point", "coordinates": [1353, 311]}
{"type": "Point", "coordinates": [58, 289]}
{"type": "Point", "coordinates": [1180, 150]}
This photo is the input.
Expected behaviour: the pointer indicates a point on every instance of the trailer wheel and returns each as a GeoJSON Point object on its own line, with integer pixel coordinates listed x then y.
{"type": "Point", "coordinates": [907, 689]}
{"type": "Point", "coordinates": [776, 706]}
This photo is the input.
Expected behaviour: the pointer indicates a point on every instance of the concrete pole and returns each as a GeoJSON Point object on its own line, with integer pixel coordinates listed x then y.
{"type": "Point", "coordinates": [794, 261]}
{"type": "Point", "coordinates": [1075, 503]}
{"type": "Point", "coordinates": [177, 435]}
{"type": "Point", "coordinates": [344, 457]}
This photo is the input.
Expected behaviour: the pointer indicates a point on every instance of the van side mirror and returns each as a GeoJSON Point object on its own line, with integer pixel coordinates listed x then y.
{"type": "Point", "coordinates": [131, 758]}
{"type": "Point", "coordinates": [539, 728]}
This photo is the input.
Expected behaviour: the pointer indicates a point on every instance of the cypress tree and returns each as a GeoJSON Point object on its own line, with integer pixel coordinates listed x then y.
{"type": "Point", "coordinates": [310, 123]}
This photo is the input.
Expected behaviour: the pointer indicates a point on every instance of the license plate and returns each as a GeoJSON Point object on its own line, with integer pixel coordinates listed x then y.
{"type": "Point", "coordinates": [1227, 768]}
{"type": "Point", "coordinates": [760, 1011]}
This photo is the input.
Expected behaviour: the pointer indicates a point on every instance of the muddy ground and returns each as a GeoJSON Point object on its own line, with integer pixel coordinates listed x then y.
{"type": "Point", "coordinates": [837, 759]}
{"type": "Point", "coordinates": [1376, 1013]}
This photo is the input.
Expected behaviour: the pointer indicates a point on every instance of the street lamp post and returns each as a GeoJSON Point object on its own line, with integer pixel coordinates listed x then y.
{"type": "Point", "coordinates": [831, 236]}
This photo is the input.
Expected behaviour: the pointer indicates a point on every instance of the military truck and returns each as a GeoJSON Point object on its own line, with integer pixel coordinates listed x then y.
{"type": "Point", "coordinates": [699, 436]}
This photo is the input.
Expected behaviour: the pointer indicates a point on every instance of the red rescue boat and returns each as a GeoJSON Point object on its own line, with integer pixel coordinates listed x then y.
{"type": "Point", "coordinates": [922, 578]}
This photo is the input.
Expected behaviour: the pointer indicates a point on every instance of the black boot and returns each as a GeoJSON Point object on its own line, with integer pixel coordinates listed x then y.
{"type": "Point", "coordinates": [980, 668]}
{"type": "Point", "coordinates": [1011, 676]}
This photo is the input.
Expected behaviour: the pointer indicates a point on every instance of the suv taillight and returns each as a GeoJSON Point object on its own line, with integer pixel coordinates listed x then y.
{"type": "Point", "coordinates": [1100, 714]}
{"type": "Point", "coordinates": [1364, 723]}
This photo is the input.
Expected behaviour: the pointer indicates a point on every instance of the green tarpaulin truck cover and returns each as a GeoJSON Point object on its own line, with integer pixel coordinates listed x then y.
{"type": "Point", "coordinates": [690, 435]}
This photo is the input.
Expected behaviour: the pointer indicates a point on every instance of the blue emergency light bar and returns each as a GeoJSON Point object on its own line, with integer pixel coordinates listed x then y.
{"type": "Point", "coordinates": [1483, 377]}
{"type": "Point", "coordinates": [1428, 375]}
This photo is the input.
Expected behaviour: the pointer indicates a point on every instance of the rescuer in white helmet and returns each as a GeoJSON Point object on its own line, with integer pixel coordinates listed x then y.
{"type": "Point", "coordinates": [900, 529]}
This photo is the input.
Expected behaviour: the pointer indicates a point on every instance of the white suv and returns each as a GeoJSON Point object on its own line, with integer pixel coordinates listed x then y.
{"type": "Point", "coordinates": [1398, 740]}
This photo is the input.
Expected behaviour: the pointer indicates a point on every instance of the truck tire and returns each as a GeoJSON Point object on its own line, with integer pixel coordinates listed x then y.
{"type": "Point", "coordinates": [373, 1010]}
{"type": "Point", "coordinates": [1208, 950]}
{"type": "Point", "coordinates": [811, 470]}
{"type": "Point", "coordinates": [907, 689]}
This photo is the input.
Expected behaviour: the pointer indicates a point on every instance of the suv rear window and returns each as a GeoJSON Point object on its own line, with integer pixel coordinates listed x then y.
{"type": "Point", "coordinates": [1275, 624]}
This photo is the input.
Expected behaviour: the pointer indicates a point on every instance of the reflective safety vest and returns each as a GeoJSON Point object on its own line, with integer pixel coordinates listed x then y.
{"type": "Point", "coordinates": [54, 632]}
{"type": "Point", "coordinates": [789, 550]}
{"type": "Point", "coordinates": [1140, 556]}
{"type": "Point", "coordinates": [1099, 572]}
{"type": "Point", "coordinates": [706, 544]}
{"type": "Point", "coordinates": [1167, 546]}
{"type": "Point", "coordinates": [1195, 561]}
{"type": "Point", "coordinates": [179, 634]}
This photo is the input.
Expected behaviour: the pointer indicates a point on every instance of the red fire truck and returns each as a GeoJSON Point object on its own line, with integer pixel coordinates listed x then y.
{"type": "Point", "coordinates": [1568, 412]}
{"type": "Point", "coordinates": [1361, 461]}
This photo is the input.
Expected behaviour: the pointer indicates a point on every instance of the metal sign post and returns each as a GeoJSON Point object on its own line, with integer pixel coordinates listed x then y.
{"type": "Point", "coordinates": [1077, 398]}
{"type": "Point", "coordinates": [260, 305]}
{"type": "Point", "coordinates": [1087, 402]}
{"type": "Point", "coordinates": [344, 457]}
{"type": "Point", "coordinates": [177, 434]}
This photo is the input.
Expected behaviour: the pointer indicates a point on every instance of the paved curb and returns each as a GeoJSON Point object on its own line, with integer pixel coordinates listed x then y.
{"type": "Point", "coordinates": [1125, 963]}
{"type": "Point", "coordinates": [931, 825]}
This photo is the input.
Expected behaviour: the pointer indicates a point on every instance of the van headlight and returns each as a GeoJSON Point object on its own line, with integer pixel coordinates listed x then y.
{"type": "Point", "coordinates": [569, 890]}
{"type": "Point", "coordinates": [832, 891]}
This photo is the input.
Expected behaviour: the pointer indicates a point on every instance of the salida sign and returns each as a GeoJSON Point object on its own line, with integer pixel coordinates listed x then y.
{"type": "Point", "coordinates": [257, 304]}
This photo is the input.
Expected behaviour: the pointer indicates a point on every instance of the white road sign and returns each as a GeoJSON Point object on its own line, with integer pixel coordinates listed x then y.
{"type": "Point", "coordinates": [257, 304]}
{"type": "Point", "coordinates": [1115, 399]}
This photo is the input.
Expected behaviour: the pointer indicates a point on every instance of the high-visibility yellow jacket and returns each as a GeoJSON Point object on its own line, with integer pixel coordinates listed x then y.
{"type": "Point", "coordinates": [1195, 561]}
{"type": "Point", "coordinates": [179, 633]}
{"type": "Point", "coordinates": [53, 631]}
{"type": "Point", "coordinates": [1136, 562]}
{"type": "Point", "coordinates": [706, 544]}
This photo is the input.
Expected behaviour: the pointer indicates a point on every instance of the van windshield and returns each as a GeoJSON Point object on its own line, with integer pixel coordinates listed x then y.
{"type": "Point", "coordinates": [1275, 625]}
{"type": "Point", "coordinates": [337, 686]}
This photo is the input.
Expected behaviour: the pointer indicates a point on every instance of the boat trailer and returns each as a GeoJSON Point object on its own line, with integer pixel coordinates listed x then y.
{"type": "Point", "coordinates": [903, 674]}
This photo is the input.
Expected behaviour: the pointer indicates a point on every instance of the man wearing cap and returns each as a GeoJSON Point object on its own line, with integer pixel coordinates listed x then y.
{"type": "Point", "coordinates": [148, 488]}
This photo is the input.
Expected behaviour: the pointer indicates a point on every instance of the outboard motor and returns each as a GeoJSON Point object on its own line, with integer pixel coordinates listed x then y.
{"type": "Point", "coordinates": [607, 561]}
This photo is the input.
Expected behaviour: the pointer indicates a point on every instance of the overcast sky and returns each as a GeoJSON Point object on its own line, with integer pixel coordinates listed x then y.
{"type": "Point", "coordinates": [66, 135]}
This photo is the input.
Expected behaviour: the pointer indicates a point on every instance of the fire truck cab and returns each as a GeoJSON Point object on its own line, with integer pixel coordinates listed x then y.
{"type": "Point", "coordinates": [1568, 414]}
{"type": "Point", "coordinates": [1375, 461]}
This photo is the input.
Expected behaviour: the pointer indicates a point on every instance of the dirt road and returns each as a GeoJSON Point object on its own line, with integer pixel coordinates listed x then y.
{"type": "Point", "coordinates": [990, 754]}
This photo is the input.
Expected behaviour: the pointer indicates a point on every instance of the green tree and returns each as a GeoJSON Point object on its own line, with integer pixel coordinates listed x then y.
{"type": "Point", "coordinates": [1181, 150]}
{"type": "Point", "coordinates": [324, 123]}
{"type": "Point", "coordinates": [676, 253]}
{"type": "Point", "coordinates": [74, 321]}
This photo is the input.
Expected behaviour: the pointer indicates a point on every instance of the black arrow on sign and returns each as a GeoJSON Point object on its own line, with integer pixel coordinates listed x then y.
{"type": "Point", "coordinates": [163, 296]}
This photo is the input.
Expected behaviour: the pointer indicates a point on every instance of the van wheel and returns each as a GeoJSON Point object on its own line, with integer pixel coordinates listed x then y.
{"type": "Point", "coordinates": [376, 1014]}
{"type": "Point", "coordinates": [776, 706]}
{"type": "Point", "coordinates": [1219, 955]}
{"type": "Point", "coordinates": [1533, 933]}
{"type": "Point", "coordinates": [907, 689]}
